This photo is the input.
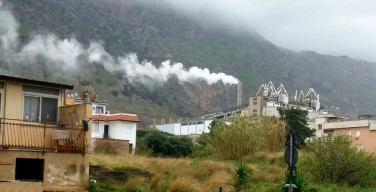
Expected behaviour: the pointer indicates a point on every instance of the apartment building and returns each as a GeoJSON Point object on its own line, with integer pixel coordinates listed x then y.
{"type": "Point", "coordinates": [43, 142]}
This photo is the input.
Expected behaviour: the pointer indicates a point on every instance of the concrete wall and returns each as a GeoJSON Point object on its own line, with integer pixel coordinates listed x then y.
{"type": "Point", "coordinates": [74, 114]}
{"type": "Point", "coordinates": [122, 130]}
{"type": "Point", "coordinates": [62, 171]}
{"type": "Point", "coordinates": [21, 186]}
{"type": "Point", "coordinates": [13, 100]}
{"type": "Point", "coordinates": [118, 147]}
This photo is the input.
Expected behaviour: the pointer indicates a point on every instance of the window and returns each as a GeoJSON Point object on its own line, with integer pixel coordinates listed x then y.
{"type": "Point", "coordinates": [357, 134]}
{"type": "Point", "coordinates": [29, 169]}
{"type": "Point", "coordinates": [255, 103]}
{"type": "Point", "coordinates": [254, 110]}
{"type": "Point", "coordinates": [99, 110]}
{"type": "Point", "coordinates": [184, 124]}
{"type": "Point", "coordinates": [320, 126]}
{"type": "Point", "coordinates": [40, 104]}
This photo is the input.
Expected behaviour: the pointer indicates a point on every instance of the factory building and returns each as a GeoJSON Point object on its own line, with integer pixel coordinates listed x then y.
{"type": "Point", "coordinates": [194, 127]}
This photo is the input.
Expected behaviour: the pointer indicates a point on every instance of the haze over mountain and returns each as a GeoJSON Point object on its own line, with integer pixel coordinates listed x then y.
{"type": "Point", "coordinates": [99, 37]}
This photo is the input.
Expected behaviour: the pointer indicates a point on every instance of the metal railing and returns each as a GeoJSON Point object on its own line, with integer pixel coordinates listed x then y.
{"type": "Point", "coordinates": [20, 135]}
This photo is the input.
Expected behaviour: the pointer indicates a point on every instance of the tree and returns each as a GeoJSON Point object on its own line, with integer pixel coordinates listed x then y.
{"type": "Point", "coordinates": [296, 121]}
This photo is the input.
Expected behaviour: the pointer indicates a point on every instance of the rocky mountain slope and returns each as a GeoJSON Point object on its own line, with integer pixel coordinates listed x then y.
{"type": "Point", "coordinates": [155, 34]}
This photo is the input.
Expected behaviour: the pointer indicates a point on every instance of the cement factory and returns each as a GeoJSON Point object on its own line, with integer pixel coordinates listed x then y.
{"type": "Point", "coordinates": [264, 103]}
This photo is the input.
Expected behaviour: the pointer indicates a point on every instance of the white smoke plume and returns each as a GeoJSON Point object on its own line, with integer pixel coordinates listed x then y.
{"type": "Point", "coordinates": [136, 70]}
{"type": "Point", "coordinates": [63, 53]}
{"type": "Point", "coordinates": [68, 53]}
{"type": "Point", "coordinates": [8, 29]}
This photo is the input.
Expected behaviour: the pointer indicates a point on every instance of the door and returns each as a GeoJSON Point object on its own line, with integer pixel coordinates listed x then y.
{"type": "Point", "coordinates": [105, 132]}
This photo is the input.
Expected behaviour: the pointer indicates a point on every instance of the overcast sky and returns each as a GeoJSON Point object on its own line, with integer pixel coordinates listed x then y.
{"type": "Point", "coordinates": [336, 27]}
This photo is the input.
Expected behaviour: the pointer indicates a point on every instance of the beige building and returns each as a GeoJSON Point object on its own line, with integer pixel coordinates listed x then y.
{"type": "Point", "coordinates": [360, 132]}
{"type": "Point", "coordinates": [43, 143]}
{"type": "Point", "coordinates": [256, 105]}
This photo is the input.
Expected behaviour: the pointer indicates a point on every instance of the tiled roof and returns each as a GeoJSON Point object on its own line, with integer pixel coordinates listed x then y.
{"type": "Point", "coordinates": [116, 117]}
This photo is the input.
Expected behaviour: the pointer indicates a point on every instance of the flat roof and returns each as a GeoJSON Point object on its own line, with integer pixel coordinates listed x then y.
{"type": "Point", "coordinates": [34, 82]}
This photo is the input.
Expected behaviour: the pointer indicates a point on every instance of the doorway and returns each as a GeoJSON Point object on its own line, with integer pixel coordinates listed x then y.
{"type": "Point", "coordinates": [105, 132]}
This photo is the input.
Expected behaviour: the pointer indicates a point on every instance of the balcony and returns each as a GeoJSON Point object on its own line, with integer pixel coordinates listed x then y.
{"type": "Point", "coordinates": [20, 135]}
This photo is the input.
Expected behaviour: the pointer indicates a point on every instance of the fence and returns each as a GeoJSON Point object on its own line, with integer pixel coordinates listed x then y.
{"type": "Point", "coordinates": [17, 134]}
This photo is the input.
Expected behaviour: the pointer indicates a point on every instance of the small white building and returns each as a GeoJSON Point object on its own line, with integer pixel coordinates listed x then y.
{"type": "Point", "coordinates": [120, 126]}
{"type": "Point", "coordinates": [100, 108]}
{"type": "Point", "coordinates": [194, 127]}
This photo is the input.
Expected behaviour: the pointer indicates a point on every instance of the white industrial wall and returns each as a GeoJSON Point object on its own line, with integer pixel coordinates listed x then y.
{"type": "Point", "coordinates": [189, 128]}
{"type": "Point", "coordinates": [168, 128]}
{"type": "Point", "coordinates": [271, 111]}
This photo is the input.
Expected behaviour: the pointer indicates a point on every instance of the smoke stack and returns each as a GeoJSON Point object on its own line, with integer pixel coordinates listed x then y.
{"type": "Point", "coordinates": [240, 94]}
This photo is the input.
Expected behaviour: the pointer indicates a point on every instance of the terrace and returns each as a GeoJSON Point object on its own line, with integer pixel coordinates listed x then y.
{"type": "Point", "coordinates": [31, 136]}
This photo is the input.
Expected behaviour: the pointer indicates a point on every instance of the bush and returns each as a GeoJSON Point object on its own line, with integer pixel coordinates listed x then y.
{"type": "Point", "coordinates": [169, 146]}
{"type": "Point", "coordinates": [243, 137]}
{"type": "Point", "coordinates": [157, 143]}
{"type": "Point", "coordinates": [333, 160]}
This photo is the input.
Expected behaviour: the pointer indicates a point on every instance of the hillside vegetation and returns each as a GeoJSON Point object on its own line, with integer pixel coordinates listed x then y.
{"type": "Point", "coordinates": [156, 34]}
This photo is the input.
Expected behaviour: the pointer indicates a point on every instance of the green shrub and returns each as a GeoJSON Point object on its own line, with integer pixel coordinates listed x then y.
{"type": "Point", "coordinates": [241, 177]}
{"type": "Point", "coordinates": [333, 160]}
{"type": "Point", "coordinates": [157, 143]}
{"type": "Point", "coordinates": [169, 146]}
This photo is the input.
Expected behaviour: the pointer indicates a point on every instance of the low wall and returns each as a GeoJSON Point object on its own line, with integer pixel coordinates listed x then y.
{"type": "Point", "coordinates": [111, 146]}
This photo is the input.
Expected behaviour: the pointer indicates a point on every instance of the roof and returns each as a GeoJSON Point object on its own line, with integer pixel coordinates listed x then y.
{"type": "Point", "coordinates": [116, 117]}
{"type": "Point", "coordinates": [34, 82]}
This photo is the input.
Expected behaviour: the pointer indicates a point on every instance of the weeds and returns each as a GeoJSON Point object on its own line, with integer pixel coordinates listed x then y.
{"type": "Point", "coordinates": [241, 177]}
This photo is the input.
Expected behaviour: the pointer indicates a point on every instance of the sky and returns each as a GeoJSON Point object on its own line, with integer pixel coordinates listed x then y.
{"type": "Point", "coordinates": [336, 27]}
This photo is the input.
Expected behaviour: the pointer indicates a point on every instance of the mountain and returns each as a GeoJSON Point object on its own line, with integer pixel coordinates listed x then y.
{"type": "Point", "coordinates": [157, 33]}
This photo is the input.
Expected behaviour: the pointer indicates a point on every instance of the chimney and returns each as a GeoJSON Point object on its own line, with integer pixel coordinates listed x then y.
{"type": "Point", "coordinates": [240, 94]}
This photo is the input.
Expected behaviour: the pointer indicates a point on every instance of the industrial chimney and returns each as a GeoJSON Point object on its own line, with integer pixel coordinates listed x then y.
{"type": "Point", "coordinates": [240, 94]}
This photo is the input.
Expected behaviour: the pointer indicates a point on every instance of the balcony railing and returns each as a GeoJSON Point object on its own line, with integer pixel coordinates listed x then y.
{"type": "Point", "coordinates": [20, 135]}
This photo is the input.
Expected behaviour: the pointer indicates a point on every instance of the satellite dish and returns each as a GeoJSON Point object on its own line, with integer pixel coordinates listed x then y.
{"type": "Point", "coordinates": [87, 92]}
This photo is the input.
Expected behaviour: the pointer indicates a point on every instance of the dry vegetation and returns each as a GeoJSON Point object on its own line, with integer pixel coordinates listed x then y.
{"type": "Point", "coordinates": [170, 174]}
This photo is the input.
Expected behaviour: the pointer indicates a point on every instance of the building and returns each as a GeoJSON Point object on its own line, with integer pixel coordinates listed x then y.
{"type": "Point", "coordinates": [317, 123]}
{"type": "Point", "coordinates": [360, 132]}
{"type": "Point", "coordinates": [43, 142]}
{"type": "Point", "coordinates": [100, 107]}
{"type": "Point", "coordinates": [117, 130]}
{"type": "Point", "coordinates": [120, 128]}
{"type": "Point", "coordinates": [194, 127]}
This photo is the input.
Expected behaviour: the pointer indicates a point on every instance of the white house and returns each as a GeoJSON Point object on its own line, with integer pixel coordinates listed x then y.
{"type": "Point", "coordinates": [120, 126]}
{"type": "Point", "coordinates": [195, 127]}
{"type": "Point", "coordinates": [100, 108]}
